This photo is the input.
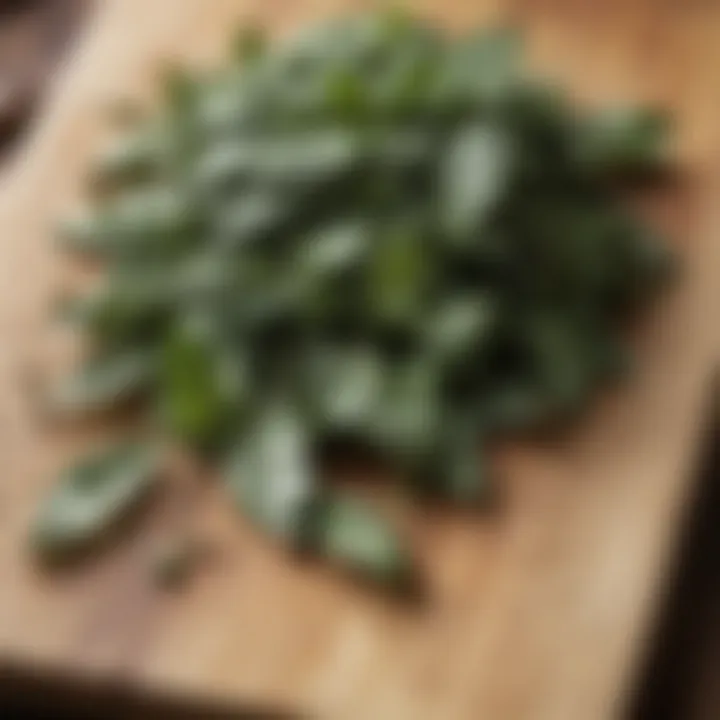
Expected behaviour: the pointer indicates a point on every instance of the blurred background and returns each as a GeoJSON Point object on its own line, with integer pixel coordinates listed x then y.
{"type": "Point", "coordinates": [34, 34]}
{"type": "Point", "coordinates": [681, 676]}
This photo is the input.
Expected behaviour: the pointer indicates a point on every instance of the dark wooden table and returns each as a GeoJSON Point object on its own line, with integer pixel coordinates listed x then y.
{"type": "Point", "coordinates": [33, 37]}
{"type": "Point", "coordinates": [682, 675]}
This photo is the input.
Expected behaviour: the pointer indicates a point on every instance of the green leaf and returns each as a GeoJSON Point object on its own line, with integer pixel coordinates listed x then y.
{"type": "Point", "coordinates": [349, 532]}
{"type": "Point", "coordinates": [347, 96]}
{"type": "Point", "coordinates": [139, 222]}
{"type": "Point", "coordinates": [483, 70]}
{"type": "Point", "coordinates": [562, 368]}
{"type": "Point", "coordinates": [92, 497]}
{"type": "Point", "coordinates": [235, 103]}
{"type": "Point", "coordinates": [461, 325]}
{"type": "Point", "coordinates": [400, 275]}
{"type": "Point", "coordinates": [250, 44]}
{"type": "Point", "coordinates": [408, 418]}
{"type": "Point", "coordinates": [252, 219]}
{"type": "Point", "coordinates": [133, 158]}
{"type": "Point", "coordinates": [298, 159]}
{"type": "Point", "coordinates": [183, 132]}
{"type": "Point", "coordinates": [621, 140]}
{"type": "Point", "coordinates": [271, 474]}
{"type": "Point", "coordinates": [345, 385]}
{"type": "Point", "coordinates": [334, 249]}
{"type": "Point", "coordinates": [463, 474]}
{"type": "Point", "coordinates": [493, 62]}
{"type": "Point", "coordinates": [309, 157]}
{"type": "Point", "coordinates": [328, 265]}
{"type": "Point", "coordinates": [114, 314]}
{"type": "Point", "coordinates": [138, 299]}
{"type": "Point", "coordinates": [105, 382]}
{"type": "Point", "coordinates": [474, 177]}
{"type": "Point", "coordinates": [203, 388]}
{"type": "Point", "coordinates": [350, 42]}
{"type": "Point", "coordinates": [403, 149]}
{"type": "Point", "coordinates": [181, 89]}
{"type": "Point", "coordinates": [226, 165]}
{"type": "Point", "coordinates": [512, 406]}
{"type": "Point", "coordinates": [406, 84]}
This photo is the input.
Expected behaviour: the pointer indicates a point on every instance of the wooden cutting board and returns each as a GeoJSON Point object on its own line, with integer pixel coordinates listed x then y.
{"type": "Point", "coordinates": [538, 609]}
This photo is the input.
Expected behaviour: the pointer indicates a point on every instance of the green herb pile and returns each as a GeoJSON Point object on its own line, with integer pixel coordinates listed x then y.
{"type": "Point", "coordinates": [374, 233]}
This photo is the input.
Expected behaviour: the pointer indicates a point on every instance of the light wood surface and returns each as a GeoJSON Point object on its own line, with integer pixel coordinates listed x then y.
{"type": "Point", "coordinates": [539, 609]}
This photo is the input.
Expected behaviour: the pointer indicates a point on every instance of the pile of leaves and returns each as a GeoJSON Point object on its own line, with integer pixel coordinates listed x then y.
{"type": "Point", "coordinates": [372, 233]}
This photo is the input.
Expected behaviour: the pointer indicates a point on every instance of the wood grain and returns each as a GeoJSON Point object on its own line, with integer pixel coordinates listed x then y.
{"type": "Point", "coordinates": [538, 610]}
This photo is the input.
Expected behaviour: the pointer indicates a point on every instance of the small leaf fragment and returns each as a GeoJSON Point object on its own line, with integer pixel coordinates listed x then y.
{"type": "Point", "coordinates": [105, 383]}
{"type": "Point", "coordinates": [139, 223]}
{"type": "Point", "coordinates": [132, 158]}
{"type": "Point", "coordinates": [175, 560]}
{"type": "Point", "coordinates": [349, 532]}
{"type": "Point", "coordinates": [93, 497]}
{"type": "Point", "coordinates": [625, 139]}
